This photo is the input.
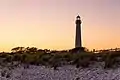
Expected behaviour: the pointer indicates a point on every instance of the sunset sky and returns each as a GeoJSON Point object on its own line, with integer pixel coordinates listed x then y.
{"type": "Point", "coordinates": [50, 24]}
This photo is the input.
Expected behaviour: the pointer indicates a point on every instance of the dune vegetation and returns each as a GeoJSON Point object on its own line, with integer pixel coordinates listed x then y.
{"type": "Point", "coordinates": [80, 57]}
{"type": "Point", "coordinates": [27, 62]}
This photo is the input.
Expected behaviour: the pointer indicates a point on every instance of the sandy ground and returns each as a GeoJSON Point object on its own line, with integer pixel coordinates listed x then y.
{"type": "Point", "coordinates": [67, 72]}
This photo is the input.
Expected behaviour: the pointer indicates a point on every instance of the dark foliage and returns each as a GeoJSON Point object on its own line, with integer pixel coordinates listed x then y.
{"type": "Point", "coordinates": [77, 56]}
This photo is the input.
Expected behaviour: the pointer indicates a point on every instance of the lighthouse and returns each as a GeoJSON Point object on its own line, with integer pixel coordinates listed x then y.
{"type": "Point", "coordinates": [78, 43]}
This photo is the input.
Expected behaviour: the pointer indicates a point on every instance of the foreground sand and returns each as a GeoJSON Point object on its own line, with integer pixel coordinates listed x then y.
{"type": "Point", "coordinates": [67, 72]}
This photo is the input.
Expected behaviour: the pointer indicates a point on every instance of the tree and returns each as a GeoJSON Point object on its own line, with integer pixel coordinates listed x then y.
{"type": "Point", "coordinates": [18, 49]}
{"type": "Point", "coordinates": [31, 50]}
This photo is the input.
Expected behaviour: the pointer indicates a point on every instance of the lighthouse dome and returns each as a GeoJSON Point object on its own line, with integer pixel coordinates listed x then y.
{"type": "Point", "coordinates": [78, 16]}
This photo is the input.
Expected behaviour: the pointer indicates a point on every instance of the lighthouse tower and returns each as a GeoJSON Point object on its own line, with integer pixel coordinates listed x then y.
{"type": "Point", "coordinates": [78, 42]}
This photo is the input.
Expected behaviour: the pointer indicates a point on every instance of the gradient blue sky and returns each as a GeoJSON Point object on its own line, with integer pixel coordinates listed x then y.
{"type": "Point", "coordinates": [51, 23]}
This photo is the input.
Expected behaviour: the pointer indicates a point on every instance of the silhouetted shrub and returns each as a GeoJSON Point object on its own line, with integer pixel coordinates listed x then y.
{"type": "Point", "coordinates": [3, 55]}
{"type": "Point", "coordinates": [23, 57]}
{"type": "Point", "coordinates": [55, 60]}
{"type": "Point", "coordinates": [17, 57]}
{"type": "Point", "coordinates": [8, 58]}
{"type": "Point", "coordinates": [82, 59]}
{"type": "Point", "coordinates": [68, 57]}
{"type": "Point", "coordinates": [110, 60]}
